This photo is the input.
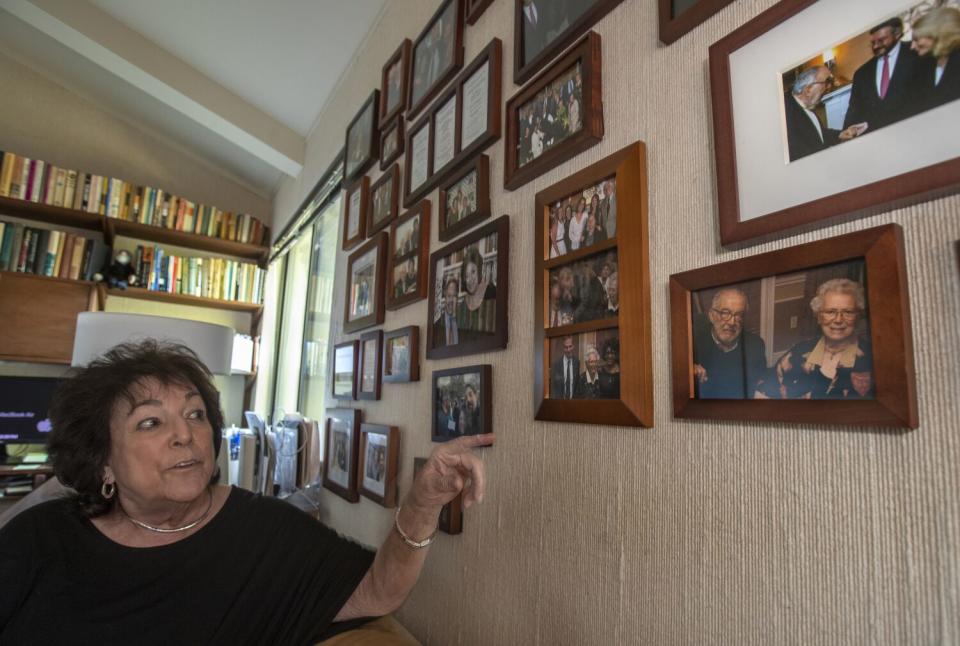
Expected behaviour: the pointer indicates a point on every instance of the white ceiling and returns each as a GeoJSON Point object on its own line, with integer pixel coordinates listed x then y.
{"type": "Point", "coordinates": [239, 83]}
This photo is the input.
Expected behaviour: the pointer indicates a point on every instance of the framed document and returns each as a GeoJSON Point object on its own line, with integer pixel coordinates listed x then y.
{"type": "Point", "coordinates": [355, 213]}
{"type": "Point", "coordinates": [371, 356]}
{"type": "Point", "coordinates": [444, 123]}
{"type": "Point", "coordinates": [473, 108]}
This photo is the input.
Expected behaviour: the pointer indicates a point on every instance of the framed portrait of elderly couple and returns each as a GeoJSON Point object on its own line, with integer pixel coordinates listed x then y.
{"type": "Point", "coordinates": [818, 333]}
{"type": "Point", "coordinates": [834, 108]}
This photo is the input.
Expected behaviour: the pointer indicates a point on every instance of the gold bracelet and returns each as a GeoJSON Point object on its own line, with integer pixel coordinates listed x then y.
{"type": "Point", "coordinates": [406, 539]}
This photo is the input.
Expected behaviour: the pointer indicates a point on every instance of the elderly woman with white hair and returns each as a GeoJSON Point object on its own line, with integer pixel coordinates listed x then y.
{"type": "Point", "coordinates": [838, 364]}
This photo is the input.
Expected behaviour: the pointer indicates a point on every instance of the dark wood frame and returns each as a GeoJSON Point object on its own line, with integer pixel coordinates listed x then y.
{"type": "Point", "coordinates": [635, 406]}
{"type": "Point", "coordinates": [362, 185]}
{"type": "Point", "coordinates": [378, 242]}
{"type": "Point", "coordinates": [374, 149]}
{"type": "Point", "coordinates": [486, 397]}
{"type": "Point", "coordinates": [413, 108]}
{"type": "Point", "coordinates": [412, 332]}
{"type": "Point", "coordinates": [523, 70]}
{"type": "Point", "coordinates": [894, 192]}
{"type": "Point", "coordinates": [442, 102]}
{"type": "Point", "coordinates": [475, 9]}
{"type": "Point", "coordinates": [672, 28]}
{"type": "Point", "coordinates": [587, 52]}
{"type": "Point", "coordinates": [493, 53]}
{"type": "Point", "coordinates": [895, 403]}
{"type": "Point", "coordinates": [422, 252]}
{"type": "Point", "coordinates": [377, 336]}
{"type": "Point", "coordinates": [398, 127]}
{"type": "Point", "coordinates": [389, 499]}
{"type": "Point", "coordinates": [410, 194]}
{"type": "Point", "coordinates": [498, 340]}
{"type": "Point", "coordinates": [400, 57]}
{"type": "Point", "coordinates": [390, 176]}
{"type": "Point", "coordinates": [454, 508]}
{"type": "Point", "coordinates": [348, 493]}
{"type": "Point", "coordinates": [333, 370]}
{"type": "Point", "coordinates": [480, 165]}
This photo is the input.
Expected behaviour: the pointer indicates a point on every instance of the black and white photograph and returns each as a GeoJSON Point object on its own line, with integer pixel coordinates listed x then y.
{"type": "Point", "coordinates": [584, 219]}
{"type": "Point", "coordinates": [550, 117]}
{"type": "Point", "coordinates": [585, 366]}
{"type": "Point", "coordinates": [585, 290]}
{"type": "Point", "coordinates": [460, 402]}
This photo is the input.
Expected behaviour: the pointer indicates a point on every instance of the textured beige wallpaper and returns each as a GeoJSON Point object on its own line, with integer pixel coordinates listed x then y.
{"type": "Point", "coordinates": [690, 532]}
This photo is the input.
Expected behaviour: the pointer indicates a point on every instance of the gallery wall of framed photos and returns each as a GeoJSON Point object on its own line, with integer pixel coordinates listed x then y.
{"type": "Point", "coordinates": [794, 489]}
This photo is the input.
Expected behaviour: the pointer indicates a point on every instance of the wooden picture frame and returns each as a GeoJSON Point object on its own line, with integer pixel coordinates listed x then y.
{"type": "Point", "coordinates": [883, 395]}
{"type": "Point", "coordinates": [475, 9]}
{"type": "Point", "coordinates": [379, 463]}
{"type": "Point", "coordinates": [392, 133]}
{"type": "Point", "coordinates": [395, 77]}
{"type": "Point", "coordinates": [421, 92]}
{"type": "Point", "coordinates": [356, 200]}
{"type": "Point", "coordinates": [474, 414]}
{"type": "Point", "coordinates": [672, 27]}
{"type": "Point", "coordinates": [417, 161]}
{"type": "Point", "coordinates": [345, 355]}
{"type": "Point", "coordinates": [479, 171]}
{"type": "Point", "coordinates": [452, 264]}
{"type": "Point", "coordinates": [761, 192]}
{"type": "Point", "coordinates": [620, 320]}
{"type": "Point", "coordinates": [409, 369]}
{"type": "Point", "coordinates": [451, 516]}
{"type": "Point", "coordinates": [342, 445]}
{"type": "Point", "coordinates": [362, 139]}
{"type": "Point", "coordinates": [410, 248]}
{"type": "Point", "coordinates": [359, 310]}
{"type": "Point", "coordinates": [525, 64]}
{"type": "Point", "coordinates": [524, 158]}
{"type": "Point", "coordinates": [370, 365]}
{"type": "Point", "coordinates": [389, 181]}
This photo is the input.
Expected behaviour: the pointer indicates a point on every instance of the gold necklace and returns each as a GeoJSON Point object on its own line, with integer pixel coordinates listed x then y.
{"type": "Point", "coordinates": [163, 530]}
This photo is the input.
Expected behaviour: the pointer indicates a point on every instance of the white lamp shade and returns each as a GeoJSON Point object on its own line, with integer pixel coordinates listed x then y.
{"type": "Point", "coordinates": [97, 332]}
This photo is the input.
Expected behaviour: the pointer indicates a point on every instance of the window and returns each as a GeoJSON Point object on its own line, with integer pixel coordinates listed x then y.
{"type": "Point", "coordinates": [290, 339]}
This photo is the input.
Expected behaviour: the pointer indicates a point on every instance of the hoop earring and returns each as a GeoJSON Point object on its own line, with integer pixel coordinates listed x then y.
{"type": "Point", "coordinates": [108, 489]}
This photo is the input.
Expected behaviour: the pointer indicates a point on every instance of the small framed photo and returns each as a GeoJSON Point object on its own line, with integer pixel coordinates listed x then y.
{"type": "Point", "coordinates": [362, 144]}
{"type": "Point", "coordinates": [437, 55]}
{"type": "Point", "coordinates": [418, 159]}
{"type": "Point", "coordinates": [401, 355]}
{"type": "Point", "coordinates": [393, 83]}
{"type": "Point", "coordinates": [407, 260]}
{"type": "Point", "coordinates": [371, 357]}
{"type": "Point", "coordinates": [379, 463]}
{"type": "Point", "coordinates": [391, 142]}
{"type": "Point", "coordinates": [355, 208]}
{"type": "Point", "coordinates": [819, 332]}
{"type": "Point", "coordinates": [677, 17]}
{"type": "Point", "coordinates": [465, 199]}
{"type": "Point", "coordinates": [384, 197]}
{"type": "Point", "coordinates": [462, 402]}
{"type": "Point", "coordinates": [801, 133]}
{"type": "Point", "coordinates": [475, 9]}
{"type": "Point", "coordinates": [469, 293]}
{"type": "Point", "coordinates": [365, 276]}
{"type": "Point", "coordinates": [451, 516]}
{"type": "Point", "coordinates": [345, 358]}
{"type": "Point", "coordinates": [556, 116]}
{"type": "Point", "coordinates": [341, 449]}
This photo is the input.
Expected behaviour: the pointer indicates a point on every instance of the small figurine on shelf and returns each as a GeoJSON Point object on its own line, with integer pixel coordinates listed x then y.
{"type": "Point", "coordinates": [118, 273]}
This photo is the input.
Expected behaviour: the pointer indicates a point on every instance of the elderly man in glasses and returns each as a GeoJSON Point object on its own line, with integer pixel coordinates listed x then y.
{"type": "Point", "coordinates": [728, 361]}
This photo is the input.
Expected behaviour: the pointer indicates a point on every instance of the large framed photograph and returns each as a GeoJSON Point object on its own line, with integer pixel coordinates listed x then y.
{"type": "Point", "coordinates": [341, 449]}
{"type": "Point", "coordinates": [371, 358]}
{"type": "Point", "coordinates": [805, 118]}
{"type": "Point", "coordinates": [556, 116]}
{"type": "Point", "coordinates": [364, 290]}
{"type": "Point", "coordinates": [677, 17]}
{"type": "Point", "coordinates": [391, 142]}
{"type": "Point", "coordinates": [379, 463]}
{"type": "Point", "coordinates": [401, 355]}
{"type": "Point", "coordinates": [544, 28]}
{"type": "Point", "coordinates": [451, 516]}
{"type": "Point", "coordinates": [469, 282]}
{"type": "Point", "coordinates": [437, 55]}
{"type": "Point", "coordinates": [393, 83]}
{"type": "Point", "coordinates": [345, 358]}
{"type": "Point", "coordinates": [362, 144]}
{"type": "Point", "coordinates": [593, 343]}
{"type": "Point", "coordinates": [355, 207]}
{"type": "Point", "coordinates": [407, 260]}
{"type": "Point", "coordinates": [465, 199]}
{"type": "Point", "coordinates": [384, 197]}
{"type": "Point", "coordinates": [462, 402]}
{"type": "Point", "coordinates": [819, 332]}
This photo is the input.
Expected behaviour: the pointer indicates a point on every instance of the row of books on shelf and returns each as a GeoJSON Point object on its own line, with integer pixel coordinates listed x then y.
{"type": "Point", "coordinates": [48, 252]}
{"type": "Point", "coordinates": [38, 181]}
{"type": "Point", "coordinates": [228, 280]}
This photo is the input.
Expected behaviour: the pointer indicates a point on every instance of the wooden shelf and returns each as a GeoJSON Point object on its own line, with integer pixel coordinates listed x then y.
{"type": "Point", "coordinates": [24, 274]}
{"type": "Point", "coordinates": [185, 299]}
{"type": "Point", "coordinates": [50, 214]}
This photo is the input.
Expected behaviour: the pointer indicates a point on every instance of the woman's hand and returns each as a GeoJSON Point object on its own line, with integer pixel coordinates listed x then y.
{"type": "Point", "coordinates": [451, 468]}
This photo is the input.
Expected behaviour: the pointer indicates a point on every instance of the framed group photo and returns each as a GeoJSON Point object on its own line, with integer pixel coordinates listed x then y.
{"type": "Point", "coordinates": [362, 145]}
{"type": "Point", "coordinates": [462, 402]}
{"type": "Point", "coordinates": [465, 199]}
{"type": "Point", "coordinates": [364, 289]}
{"type": "Point", "coordinates": [407, 260]}
{"type": "Point", "coordinates": [819, 332]}
{"type": "Point", "coordinates": [355, 206]}
{"type": "Point", "coordinates": [341, 450]}
{"type": "Point", "coordinates": [451, 516]}
{"type": "Point", "coordinates": [371, 358]}
{"type": "Point", "coordinates": [401, 355]}
{"type": "Point", "coordinates": [379, 463]}
{"type": "Point", "coordinates": [437, 55]}
{"type": "Point", "coordinates": [346, 356]}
